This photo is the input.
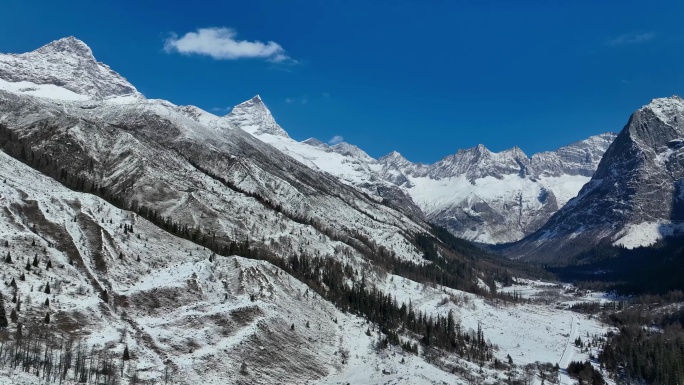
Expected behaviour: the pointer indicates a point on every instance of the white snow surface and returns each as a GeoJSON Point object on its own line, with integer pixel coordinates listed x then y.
{"type": "Point", "coordinates": [64, 65]}
{"type": "Point", "coordinates": [174, 308]}
{"type": "Point", "coordinates": [514, 197]}
{"type": "Point", "coordinates": [646, 233]}
{"type": "Point", "coordinates": [207, 318]}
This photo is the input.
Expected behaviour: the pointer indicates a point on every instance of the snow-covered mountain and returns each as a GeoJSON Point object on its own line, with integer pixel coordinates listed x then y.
{"type": "Point", "coordinates": [496, 197]}
{"type": "Point", "coordinates": [635, 196]}
{"type": "Point", "coordinates": [64, 69]}
{"type": "Point", "coordinates": [124, 203]}
{"type": "Point", "coordinates": [477, 194]}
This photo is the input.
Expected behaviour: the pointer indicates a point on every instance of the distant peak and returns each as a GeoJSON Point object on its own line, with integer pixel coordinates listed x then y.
{"type": "Point", "coordinates": [347, 149]}
{"type": "Point", "coordinates": [70, 45]}
{"type": "Point", "coordinates": [669, 110]}
{"type": "Point", "coordinates": [254, 103]}
{"type": "Point", "coordinates": [480, 149]}
{"type": "Point", "coordinates": [315, 142]}
{"type": "Point", "coordinates": [394, 158]}
{"type": "Point", "coordinates": [254, 117]}
{"type": "Point", "coordinates": [394, 155]}
{"type": "Point", "coordinates": [673, 100]}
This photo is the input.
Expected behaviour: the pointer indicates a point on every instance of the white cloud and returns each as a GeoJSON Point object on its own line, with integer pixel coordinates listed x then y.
{"type": "Point", "coordinates": [335, 140]}
{"type": "Point", "coordinates": [221, 44]}
{"type": "Point", "coordinates": [631, 38]}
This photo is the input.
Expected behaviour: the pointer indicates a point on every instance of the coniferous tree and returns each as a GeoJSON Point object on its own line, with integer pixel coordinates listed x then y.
{"type": "Point", "coordinates": [3, 315]}
{"type": "Point", "coordinates": [8, 258]}
{"type": "Point", "coordinates": [35, 260]}
{"type": "Point", "coordinates": [47, 288]}
{"type": "Point", "coordinates": [28, 265]}
{"type": "Point", "coordinates": [126, 355]}
{"type": "Point", "coordinates": [49, 265]}
{"type": "Point", "coordinates": [14, 316]}
{"type": "Point", "coordinates": [105, 296]}
{"type": "Point", "coordinates": [22, 277]}
{"type": "Point", "coordinates": [47, 302]}
{"type": "Point", "coordinates": [47, 318]}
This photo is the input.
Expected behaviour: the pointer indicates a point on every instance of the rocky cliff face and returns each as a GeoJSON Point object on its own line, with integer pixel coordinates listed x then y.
{"type": "Point", "coordinates": [477, 194]}
{"type": "Point", "coordinates": [635, 195]}
{"type": "Point", "coordinates": [67, 63]}
{"type": "Point", "coordinates": [493, 197]}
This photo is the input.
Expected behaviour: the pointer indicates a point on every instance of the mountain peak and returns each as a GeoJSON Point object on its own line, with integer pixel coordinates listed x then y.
{"type": "Point", "coordinates": [668, 110]}
{"type": "Point", "coordinates": [393, 158]}
{"type": "Point", "coordinates": [254, 117]}
{"type": "Point", "coordinates": [66, 64]}
{"type": "Point", "coordinates": [315, 142]}
{"type": "Point", "coordinates": [68, 45]}
{"type": "Point", "coordinates": [347, 149]}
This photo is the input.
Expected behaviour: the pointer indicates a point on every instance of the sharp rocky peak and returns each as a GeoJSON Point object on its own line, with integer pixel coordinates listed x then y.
{"type": "Point", "coordinates": [68, 45]}
{"type": "Point", "coordinates": [315, 142]}
{"type": "Point", "coordinates": [393, 157]}
{"type": "Point", "coordinates": [69, 64]}
{"type": "Point", "coordinates": [254, 117]}
{"type": "Point", "coordinates": [669, 110]}
{"type": "Point", "coordinates": [347, 149]}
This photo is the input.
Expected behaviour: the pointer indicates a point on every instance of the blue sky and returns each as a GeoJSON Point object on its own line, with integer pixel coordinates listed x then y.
{"type": "Point", "coordinates": [424, 78]}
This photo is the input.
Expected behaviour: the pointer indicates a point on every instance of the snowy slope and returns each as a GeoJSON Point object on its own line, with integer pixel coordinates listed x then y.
{"type": "Point", "coordinates": [198, 320]}
{"type": "Point", "coordinates": [65, 64]}
{"type": "Point", "coordinates": [476, 194]}
{"type": "Point", "coordinates": [633, 199]}
{"type": "Point", "coordinates": [181, 310]}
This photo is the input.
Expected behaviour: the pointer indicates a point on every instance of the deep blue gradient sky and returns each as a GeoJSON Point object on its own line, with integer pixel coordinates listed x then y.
{"type": "Point", "coordinates": [424, 78]}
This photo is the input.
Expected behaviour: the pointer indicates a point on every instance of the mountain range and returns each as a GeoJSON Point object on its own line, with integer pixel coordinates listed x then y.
{"type": "Point", "coordinates": [214, 246]}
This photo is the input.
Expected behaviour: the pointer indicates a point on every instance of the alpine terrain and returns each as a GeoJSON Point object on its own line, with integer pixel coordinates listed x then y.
{"type": "Point", "coordinates": [476, 194]}
{"type": "Point", "coordinates": [633, 199]}
{"type": "Point", "coordinates": [146, 242]}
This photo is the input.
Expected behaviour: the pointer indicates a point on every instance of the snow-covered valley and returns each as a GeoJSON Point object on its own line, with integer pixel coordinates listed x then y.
{"type": "Point", "coordinates": [166, 244]}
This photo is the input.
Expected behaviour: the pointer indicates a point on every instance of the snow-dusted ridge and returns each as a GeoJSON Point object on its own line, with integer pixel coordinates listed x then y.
{"type": "Point", "coordinates": [173, 303]}
{"type": "Point", "coordinates": [67, 64]}
{"type": "Point", "coordinates": [635, 196]}
{"type": "Point", "coordinates": [477, 194]}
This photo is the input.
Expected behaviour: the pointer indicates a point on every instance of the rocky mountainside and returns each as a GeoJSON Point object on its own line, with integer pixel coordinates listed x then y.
{"type": "Point", "coordinates": [635, 196]}
{"type": "Point", "coordinates": [134, 211]}
{"type": "Point", "coordinates": [476, 194]}
{"type": "Point", "coordinates": [66, 67]}
{"type": "Point", "coordinates": [497, 197]}
{"type": "Point", "coordinates": [143, 241]}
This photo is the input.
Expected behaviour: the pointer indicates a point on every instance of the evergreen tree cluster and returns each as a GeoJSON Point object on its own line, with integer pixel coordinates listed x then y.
{"type": "Point", "coordinates": [585, 373]}
{"type": "Point", "coordinates": [329, 279]}
{"type": "Point", "coordinates": [653, 357]}
{"type": "Point", "coordinates": [652, 354]}
{"type": "Point", "coordinates": [3, 315]}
